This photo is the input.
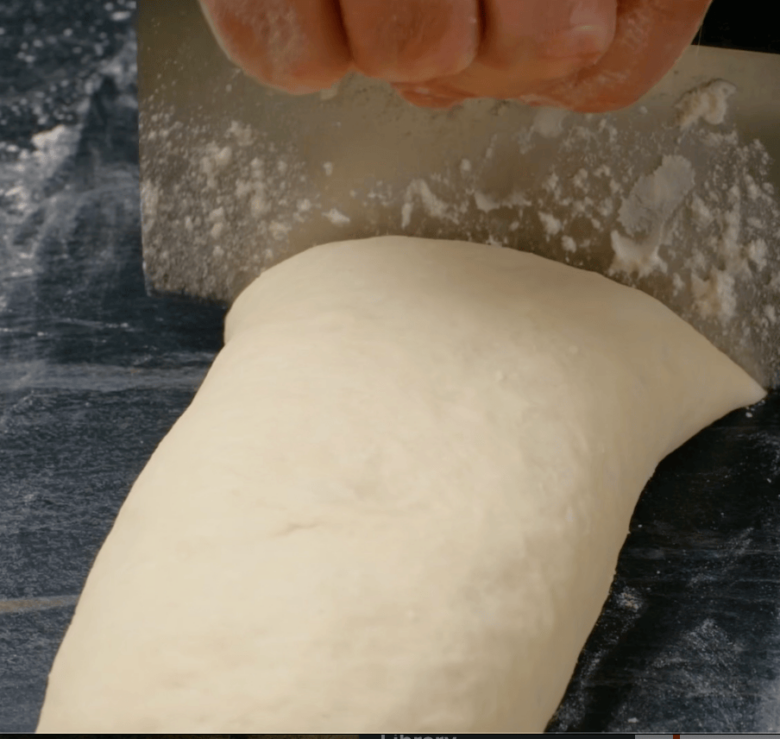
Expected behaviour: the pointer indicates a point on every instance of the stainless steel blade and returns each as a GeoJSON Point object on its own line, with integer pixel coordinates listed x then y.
{"type": "Point", "coordinates": [236, 177]}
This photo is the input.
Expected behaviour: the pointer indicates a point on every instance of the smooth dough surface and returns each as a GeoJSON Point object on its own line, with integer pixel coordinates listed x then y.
{"type": "Point", "coordinates": [395, 504]}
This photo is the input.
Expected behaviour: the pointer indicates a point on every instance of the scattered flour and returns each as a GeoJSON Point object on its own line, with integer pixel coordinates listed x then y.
{"type": "Point", "coordinates": [708, 102]}
{"type": "Point", "coordinates": [336, 217]}
{"type": "Point", "coordinates": [485, 203]}
{"type": "Point", "coordinates": [715, 296]}
{"type": "Point", "coordinates": [214, 161]}
{"type": "Point", "coordinates": [552, 226]}
{"type": "Point", "coordinates": [548, 122]}
{"type": "Point", "coordinates": [433, 206]}
{"type": "Point", "coordinates": [645, 215]}
{"type": "Point", "coordinates": [656, 196]}
{"type": "Point", "coordinates": [568, 244]}
{"type": "Point", "coordinates": [691, 219]}
{"type": "Point", "coordinates": [278, 230]}
{"type": "Point", "coordinates": [634, 257]}
{"type": "Point", "coordinates": [701, 215]}
{"type": "Point", "coordinates": [580, 180]}
{"type": "Point", "coordinates": [242, 133]}
{"type": "Point", "coordinates": [757, 253]}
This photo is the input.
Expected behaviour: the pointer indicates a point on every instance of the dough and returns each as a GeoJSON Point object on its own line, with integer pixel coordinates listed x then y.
{"type": "Point", "coordinates": [395, 504]}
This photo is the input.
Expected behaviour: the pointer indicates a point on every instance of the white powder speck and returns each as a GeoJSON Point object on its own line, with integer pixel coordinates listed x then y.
{"type": "Point", "coordinates": [729, 248]}
{"type": "Point", "coordinates": [606, 207]}
{"type": "Point", "coordinates": [715, 297]}
{"type": "Point", "coordinates": [433, 206]}
{"type": "Point", "coordinates": [580, 180]}
{"type": "Point", "coordinates": [406, 214]}
{"type": "Point", "coordinates": [548, 122]}
{"type": "Point", "coordinates": [655, 197]}
{"type": "Point", "coordinates": [756, 252]}
{"type": "Point", "coordinates": [568, 244]}
{"type": "Point", "coordinates": [278, 230]}
{"type": "Point", "coordinates": [336, 217]}
{"type": "Point", "coordinates": [49, 143]}
{"type": "Point", "coordinates": [721, 140]}
{"type": "Point", "coordinates": [328, 167]}
{"type": "Point", "coordinates": [214, 161]}
{"type": "Point", "coordinates": [551, 183]}
{"type": "Point", "coordinates": [753, 190]}
{"type": "Point", "coordinates": [484, 202]}
{"type": "Point", "coordinates": [465, 166]}
{"type": "Point", "coordinates": [581, 207]}
{"type": "Point", "coordinates": [632, 257]}
{"type": "Point", "coordinates": [223, 157]}
{"type": "Point", "coordinates": [700, 213]}
{"type": "Point", "coordinates": [150, 198]}
{"type": "Point", "coordinates": [697, 262]}
{"type": "Point", "coordinates": [241, 133]}
{"type": "Point", "coordinates": [708, 102]}
{"type": "Point", "coordinates": [550, 223]}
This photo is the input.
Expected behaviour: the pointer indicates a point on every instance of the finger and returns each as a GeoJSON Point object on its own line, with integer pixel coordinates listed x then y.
{"type": "Point", "coordinates": [411, 40]}
{"type": "Point", "coordinates": [540, 40]}
{"type": "Point", "coordinates": [651, 36]}
{"type": "Point", "coordinates": [526, 45]}
{"type": "Point", "coordinates": [296, 45]}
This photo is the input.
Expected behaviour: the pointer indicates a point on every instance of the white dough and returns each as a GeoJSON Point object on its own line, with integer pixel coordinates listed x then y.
{"type": "Point", "coordinates": [395, 504]}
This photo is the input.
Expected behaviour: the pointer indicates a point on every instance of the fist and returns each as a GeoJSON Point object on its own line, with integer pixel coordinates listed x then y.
{"type": "Point", "coordinates": [585, 55]}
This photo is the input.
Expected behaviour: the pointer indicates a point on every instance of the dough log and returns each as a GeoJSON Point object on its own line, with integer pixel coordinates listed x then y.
{"type": "Point", "coordinates": [395, 504]}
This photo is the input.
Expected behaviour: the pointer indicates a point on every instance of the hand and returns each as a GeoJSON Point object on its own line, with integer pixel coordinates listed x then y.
{"type": "Point", "coordinates": [585, 55]}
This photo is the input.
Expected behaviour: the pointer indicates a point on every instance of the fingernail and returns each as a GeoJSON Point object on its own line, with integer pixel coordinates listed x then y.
{"type": "Point", "coordinates": [581, 44]}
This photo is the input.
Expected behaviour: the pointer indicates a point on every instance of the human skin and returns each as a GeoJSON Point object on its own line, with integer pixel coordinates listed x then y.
{"type": "Point", "coordinates": [584, 55]}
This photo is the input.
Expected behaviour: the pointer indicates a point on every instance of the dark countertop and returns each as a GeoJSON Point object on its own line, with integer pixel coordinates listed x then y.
{"type": "Point", "coordinates": [93, 372]}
